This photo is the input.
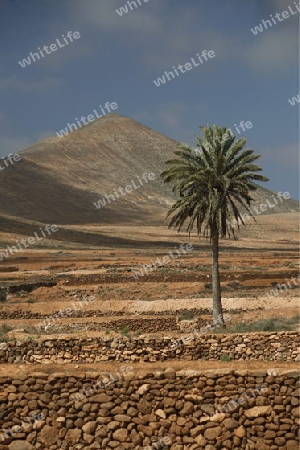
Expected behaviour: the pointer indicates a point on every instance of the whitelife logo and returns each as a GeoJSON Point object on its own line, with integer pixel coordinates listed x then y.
{"type": "Point", "coordinates": [292, 101]}
{"type": "Point", "coordinates": [15, 429]}
{"type": "Point", "coordinates": [263, 207]}
{"type": "Point", "coordinates": [184, 248]}
{"type": "Point", "coordinates": [188, 66]}
{"type": "Point", "coordinates": [267, 23]}
{"type": "Point", "coordinates": [101, 384]}
{"type": "Point", "coordinates": [243, 125]}
{"type": "Point", "coordinates": [51, 320]}
{"type": "Point", "coordinates": [53, 47]}
{"type": "Point", "coordinates": [231, 405]}
{"type": "Point", "coordinates": [90, 118]}
{"type": "Point", "coordinates": [285, 286]}
{"type": "Point", "coordinates": [124, 9]}
{"type": "Point", "coordinates": [9, 160]}
{"type": "Point", "coordinates": [123, 191]}
{"type": "Point", "coordinates": [24, 243]}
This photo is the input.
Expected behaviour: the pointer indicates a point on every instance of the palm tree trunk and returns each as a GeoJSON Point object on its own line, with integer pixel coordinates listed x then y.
{"type": "Point", "coordinates": [218, 320]}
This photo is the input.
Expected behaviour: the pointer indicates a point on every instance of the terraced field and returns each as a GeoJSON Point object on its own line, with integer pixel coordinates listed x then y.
{"type": "Point", "coordinates": [68, 319]}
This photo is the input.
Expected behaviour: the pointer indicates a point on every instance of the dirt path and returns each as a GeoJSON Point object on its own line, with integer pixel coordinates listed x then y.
{"type": "Point", "coordinates": [15, 370]}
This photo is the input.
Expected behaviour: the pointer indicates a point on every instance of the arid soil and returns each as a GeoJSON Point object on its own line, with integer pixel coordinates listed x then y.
{"type": "Point", "coordinates": [103, 297]}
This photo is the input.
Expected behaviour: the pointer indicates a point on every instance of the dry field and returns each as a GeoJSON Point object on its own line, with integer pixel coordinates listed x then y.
{"type": "Point", "coordinates": [43, 282]}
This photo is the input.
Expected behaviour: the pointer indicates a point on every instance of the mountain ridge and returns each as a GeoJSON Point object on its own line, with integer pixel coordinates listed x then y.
{"type": "Point", "coordinates": [58, 180]}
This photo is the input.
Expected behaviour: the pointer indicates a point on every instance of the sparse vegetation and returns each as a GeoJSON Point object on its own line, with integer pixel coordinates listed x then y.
{"type": "Point", "coordinates": [186, 314]}
{"type": "Point", "coordinates": [31, 300]}
{"type": "Point", "coordinates": [274, 324]}
{"type": "Point", "coordinates": [234, 284]}
{"type": "Point", "coordinates": [124, 330]}
{"type": "Point", "coordinates": [245, 294]}
{"type": "Point", "coordinates": [105, 292]}
{"type": "Point", "coordinates": [226, 289]}
{"type": "Point", "coordinates": [225, 357]}
{"type": "Point", "coordinates": [3, 295]}
{"type": "Point", "coordinates": [203, 268]}
{"type": "Point", "coordinates": [4, 329]}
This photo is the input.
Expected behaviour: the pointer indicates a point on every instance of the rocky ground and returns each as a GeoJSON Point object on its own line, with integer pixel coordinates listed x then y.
{"type": "Point", "coordinates": [94, 292]}
{"type": "Point", "coordinates": [91, 294]}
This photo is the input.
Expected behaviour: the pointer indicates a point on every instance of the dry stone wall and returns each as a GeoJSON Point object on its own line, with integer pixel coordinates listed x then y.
{"type": "Point", "coordinates": [283, 346]}
{"type": "Point", "coordinates": [234, 410]}
{"type": "Point", "coordinates": [75, 312]}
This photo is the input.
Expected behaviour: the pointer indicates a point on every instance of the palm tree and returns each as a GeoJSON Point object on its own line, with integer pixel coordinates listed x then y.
{"type": "Point", "coordinates": [214, 182]}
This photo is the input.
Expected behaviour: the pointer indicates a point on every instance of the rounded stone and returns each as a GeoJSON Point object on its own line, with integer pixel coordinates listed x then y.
{"type": "Point", "coordinates": [212, 433]}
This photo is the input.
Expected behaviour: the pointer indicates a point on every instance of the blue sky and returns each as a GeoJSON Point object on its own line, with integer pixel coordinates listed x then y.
{"type": "Point", "coordinates": [117, 58]}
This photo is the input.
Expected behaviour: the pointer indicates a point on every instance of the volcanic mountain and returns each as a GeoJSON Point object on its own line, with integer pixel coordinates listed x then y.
{"type": "Point", "coordinates": [59, 180]}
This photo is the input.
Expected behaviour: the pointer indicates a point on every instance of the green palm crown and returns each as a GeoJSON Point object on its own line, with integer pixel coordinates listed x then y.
{"type": "Point", "coordinates": [214, 181]}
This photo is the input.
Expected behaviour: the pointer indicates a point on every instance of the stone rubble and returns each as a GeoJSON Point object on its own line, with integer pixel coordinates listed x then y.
{"type": "Point", "coordinates": [281, 346]}
{"type": "Point", "coordinates": [141, 410]}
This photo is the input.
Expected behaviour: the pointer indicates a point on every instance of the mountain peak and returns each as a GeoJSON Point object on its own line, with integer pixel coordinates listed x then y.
{"type": "Point", "coordinates": [62, 179]}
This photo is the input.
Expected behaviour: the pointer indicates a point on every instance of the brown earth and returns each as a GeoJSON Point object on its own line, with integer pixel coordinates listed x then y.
{"type": "Point", "coordinates": [58, 180]}
{"type": "Point", "coordinates": [252, 264]}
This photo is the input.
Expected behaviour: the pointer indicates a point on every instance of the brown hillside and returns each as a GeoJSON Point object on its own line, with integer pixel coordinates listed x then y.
{"type": "Point", "coordinates": [58, 179]}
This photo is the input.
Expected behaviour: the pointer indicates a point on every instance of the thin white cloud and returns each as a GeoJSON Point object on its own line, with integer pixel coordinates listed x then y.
{"type": "Point", "coordinates": [285, 156]}
{"type": "Point", "coordinates": [268, 7]}
{"type": "Point", "coordinates": [23, 85]}
{"type": "Point", "coordinates": [171, 116]}
{"type": "Point", "coordinates": [44, 134]}
{"type": "Point", "coordinates": [78, 49]}
{"type": "Point", "coordinates": [2, 118]}
{"type": "Point", "coordinates": [274, 49]}
{"type": "Point", "coordinates": [103, 15]}
{"type": "Point", "coordinates": [13, 144]}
